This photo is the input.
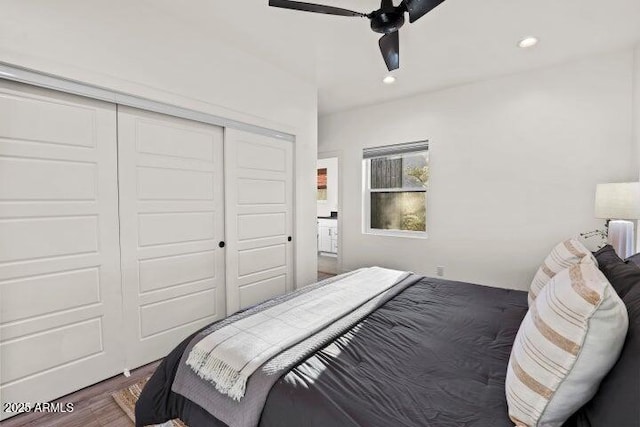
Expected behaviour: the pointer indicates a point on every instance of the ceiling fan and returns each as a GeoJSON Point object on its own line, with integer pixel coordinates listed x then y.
{"type": "Point", "coordinates": [387, 20]}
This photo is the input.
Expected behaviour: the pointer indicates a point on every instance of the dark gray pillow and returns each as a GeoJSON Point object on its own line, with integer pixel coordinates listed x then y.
{"type": "Point", "coordinates": [617, 402]}
{"type": "Point", "coordinates": [622, 275]}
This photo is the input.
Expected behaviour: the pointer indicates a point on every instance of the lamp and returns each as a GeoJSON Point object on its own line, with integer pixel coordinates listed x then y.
{"type": "Point", "coordinates": [617, 203]}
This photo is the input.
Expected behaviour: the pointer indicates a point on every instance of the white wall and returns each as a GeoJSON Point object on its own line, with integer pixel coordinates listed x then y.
{"type": "Point", "coordinates": [331, 204]}
{"type": "Point", "coordinates": [514, 165]}
{"type": "Point", "coordinates": [636, 104]}
{"type": "Point", "coordinates": [136, 48]}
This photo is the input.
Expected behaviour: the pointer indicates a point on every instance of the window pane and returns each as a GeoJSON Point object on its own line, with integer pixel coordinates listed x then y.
{"type": "Point", "coordinates": [399, 211]}
{"type": "Point", "coordinates": [415, 170]}
{"type": "Point", "coordinates": [404, 171]}
{"type": "Point", "coordinates": [386, 172]}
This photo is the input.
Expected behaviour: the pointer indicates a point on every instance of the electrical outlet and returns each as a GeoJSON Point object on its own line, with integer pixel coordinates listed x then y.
{"type": "Point", "coordinates": [440, 270]}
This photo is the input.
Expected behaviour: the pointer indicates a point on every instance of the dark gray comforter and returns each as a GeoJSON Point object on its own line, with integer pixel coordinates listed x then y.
{"type": "Point", "coordinates": [435, 355]}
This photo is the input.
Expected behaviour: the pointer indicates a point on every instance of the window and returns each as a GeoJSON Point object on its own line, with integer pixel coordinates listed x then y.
{"type": "Point", "coordinates": [395, 189]}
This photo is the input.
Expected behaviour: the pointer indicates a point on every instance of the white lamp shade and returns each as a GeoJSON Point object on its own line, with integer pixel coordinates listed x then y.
{"type": "Point", "coordinates": [618, 201]}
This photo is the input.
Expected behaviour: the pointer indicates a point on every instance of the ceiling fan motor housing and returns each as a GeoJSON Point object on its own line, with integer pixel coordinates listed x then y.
{"type": "Point", "coordinates": [387, 21]}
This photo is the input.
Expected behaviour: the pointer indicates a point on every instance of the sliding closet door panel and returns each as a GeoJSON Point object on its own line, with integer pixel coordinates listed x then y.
{"type": "Point", "coordinates": [171, 213]}
{"type": "Point", "coordinates": [60, 295]}
{"type": "Point", "coordinates": [259, 209]}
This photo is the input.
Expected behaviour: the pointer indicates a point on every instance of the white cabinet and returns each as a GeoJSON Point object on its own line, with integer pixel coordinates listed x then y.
{"type": "Point", "coordinates": [328, 235]}
{"type": "Point", "coordinates": [324, 239]}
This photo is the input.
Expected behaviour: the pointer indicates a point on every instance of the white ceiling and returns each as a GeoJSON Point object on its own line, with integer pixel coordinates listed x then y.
{"type": "Point", "coordinates": [458, 42]}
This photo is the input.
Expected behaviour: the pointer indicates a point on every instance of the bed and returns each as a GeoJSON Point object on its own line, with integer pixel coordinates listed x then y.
{"type": "Point", "coordinates": [433, 355]}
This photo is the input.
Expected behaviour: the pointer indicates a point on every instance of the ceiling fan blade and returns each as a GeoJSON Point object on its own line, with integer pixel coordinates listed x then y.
{"type": "Point", "coordinates": [418, 8]}
{"type": "Point", "coordinates": [317, 8]}
{"type": "Point", "coordinates": [390, 48]}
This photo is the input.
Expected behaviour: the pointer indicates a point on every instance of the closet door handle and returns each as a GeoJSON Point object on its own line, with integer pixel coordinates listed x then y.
{"type": "Point", "coordinates": [289, 239]}
{"type": "Point", "coordinates": [221, 245]}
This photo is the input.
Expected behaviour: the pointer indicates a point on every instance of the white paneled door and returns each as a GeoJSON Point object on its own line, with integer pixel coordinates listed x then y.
{"type": "Point", "coordinates": [60, 296]}
{"type": "Point", "coordinates": [112, 235]}
{"type": "Point", "coordinates": [259, 209]}
{"type": "Point", "coordinates": [171, 224]}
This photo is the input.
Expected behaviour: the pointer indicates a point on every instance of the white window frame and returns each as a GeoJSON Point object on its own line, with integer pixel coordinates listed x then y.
{"type": "Point", "coordinates": [366, 203]}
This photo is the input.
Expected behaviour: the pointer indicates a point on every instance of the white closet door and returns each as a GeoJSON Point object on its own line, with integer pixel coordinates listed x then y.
{"type": "Point", "coordinates": [171, 216]}
{"type": "Point", "coordinates": [60, 296]}
{"type": "Point", "coordinates": [259, 209]}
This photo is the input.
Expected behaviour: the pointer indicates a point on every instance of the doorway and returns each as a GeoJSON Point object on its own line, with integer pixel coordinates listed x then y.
{"type": "Point", "coordinates": [328, 215]}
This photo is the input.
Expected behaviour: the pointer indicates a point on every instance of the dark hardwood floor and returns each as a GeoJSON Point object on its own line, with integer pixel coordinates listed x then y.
{"type": "Point", "coordinates": [93, 406]}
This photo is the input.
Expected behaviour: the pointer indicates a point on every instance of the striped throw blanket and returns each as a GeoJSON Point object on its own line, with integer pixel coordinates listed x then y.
{"type": "Point", "coordinates": [228, 356]}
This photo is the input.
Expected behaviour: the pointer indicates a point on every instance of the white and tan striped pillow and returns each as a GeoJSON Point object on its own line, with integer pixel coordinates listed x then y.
{"type": "Point", "coordinates": [564, 255]}
{"type": "Point", "coordinates": [569, 339]}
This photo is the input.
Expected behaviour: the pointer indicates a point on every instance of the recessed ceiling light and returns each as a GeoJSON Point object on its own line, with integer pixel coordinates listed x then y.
{"type": "Point", "coordinates": [389, 79]}
{"type": "Point", "coordinates": [528, 42]}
